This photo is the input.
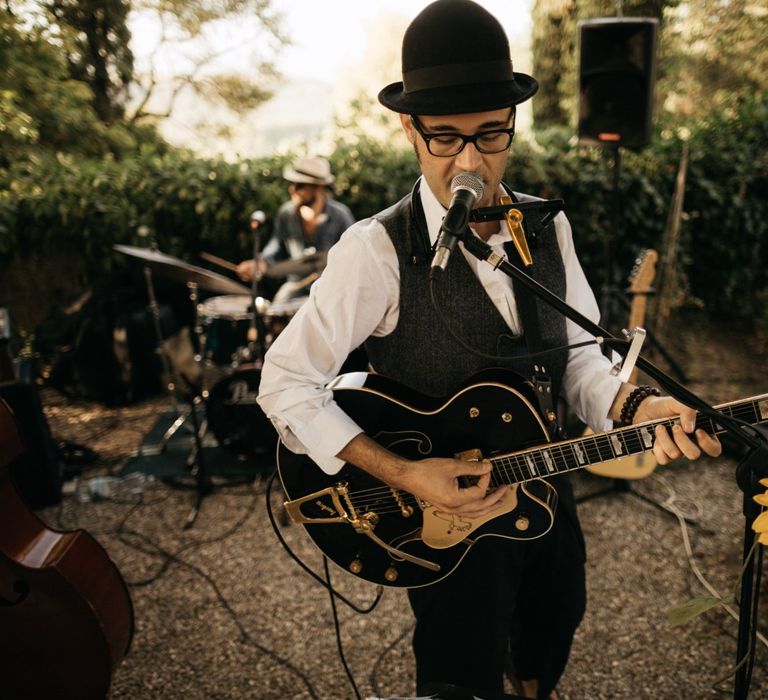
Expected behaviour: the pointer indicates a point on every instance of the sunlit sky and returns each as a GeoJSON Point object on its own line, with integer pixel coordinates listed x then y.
{"type": "Point", "coordinates": [337, 49]}
{"type": "Point", "coordinates": [329, 34]}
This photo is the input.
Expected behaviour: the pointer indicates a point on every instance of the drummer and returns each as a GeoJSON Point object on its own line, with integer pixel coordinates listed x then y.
{"type": "Point", "coordinates": [312, 218]}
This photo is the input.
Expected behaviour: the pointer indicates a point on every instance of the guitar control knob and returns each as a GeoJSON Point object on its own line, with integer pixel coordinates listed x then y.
{"type": "Point", "coordinates": [356, 566]}
{"type": "Point", "coordinates": [522, 523]}
{"type": "Point", "coordinates": [391, 574]}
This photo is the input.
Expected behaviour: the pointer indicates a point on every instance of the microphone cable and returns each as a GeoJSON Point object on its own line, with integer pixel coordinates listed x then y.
{"type": "Point", "coordinates": [337, 628]}
{"type": "Point", "coordinates": [372, 679]}
{"type": "Point", "coordinates": [487, 356]}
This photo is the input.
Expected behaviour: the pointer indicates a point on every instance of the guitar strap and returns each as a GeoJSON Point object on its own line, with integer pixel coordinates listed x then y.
{"type": "Point", "coordinates": [529, 319]}
{"type": "Point", "coordinates": [421, 250]}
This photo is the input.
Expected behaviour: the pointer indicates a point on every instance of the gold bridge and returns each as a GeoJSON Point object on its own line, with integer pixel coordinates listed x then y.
{"type": "Point", "coordinates": [337, 513]}
{"type": "Point", "coordinates": [364, 525]}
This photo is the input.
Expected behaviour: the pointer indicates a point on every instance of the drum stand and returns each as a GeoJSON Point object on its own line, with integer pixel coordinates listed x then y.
{"type": "Point", "coordinates": [196, 463]}
{"type": "Point", "coordinates": [258, 330]}
{"type": "Point", "coordinates": [195, 460]}
{"type": "Point", "coordinates": [256, 339]}
{"type": "Point", "coordinates": [181, 415]}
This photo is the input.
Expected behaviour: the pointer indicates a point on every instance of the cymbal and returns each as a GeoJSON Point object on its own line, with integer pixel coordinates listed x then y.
{"type": "Point", "coordinates": [305, 265]}
{"type": "Point", "coordinates": [181, 271]}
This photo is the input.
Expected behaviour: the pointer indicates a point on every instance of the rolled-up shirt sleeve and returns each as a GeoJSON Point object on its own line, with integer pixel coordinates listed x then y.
{"type": "Point", "coordinates": [355, 296]}
{"type": "Point", "coordinates": [588, 384]}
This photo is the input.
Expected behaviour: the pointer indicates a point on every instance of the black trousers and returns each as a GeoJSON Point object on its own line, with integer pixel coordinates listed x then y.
{"type": "Point", "coordinates": [521, 597]}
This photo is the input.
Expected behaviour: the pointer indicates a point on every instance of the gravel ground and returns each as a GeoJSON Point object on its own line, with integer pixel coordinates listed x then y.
{"type": "Point", "coordinates": [221, 610]}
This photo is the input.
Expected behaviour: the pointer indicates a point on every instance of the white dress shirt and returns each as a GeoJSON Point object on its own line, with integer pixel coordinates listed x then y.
{"type": "Point", "coordinates": [358, 295]}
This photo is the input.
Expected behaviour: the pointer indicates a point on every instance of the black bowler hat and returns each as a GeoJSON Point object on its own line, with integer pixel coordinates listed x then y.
{"type": "Point", "coordinates": [456, 60]}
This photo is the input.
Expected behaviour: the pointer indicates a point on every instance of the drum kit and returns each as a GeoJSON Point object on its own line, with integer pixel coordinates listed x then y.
{"type": "Point", "coordinates": [232, 331]}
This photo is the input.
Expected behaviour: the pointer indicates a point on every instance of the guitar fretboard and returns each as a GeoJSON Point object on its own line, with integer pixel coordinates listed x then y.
{"type": "Point", "coordinates": [570, 455]}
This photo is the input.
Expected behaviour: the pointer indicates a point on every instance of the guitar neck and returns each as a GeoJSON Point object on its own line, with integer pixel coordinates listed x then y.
{"type": "Point", "coordinates": [637, 312]}
{"type": "Point", "coordinates": [569, 455]}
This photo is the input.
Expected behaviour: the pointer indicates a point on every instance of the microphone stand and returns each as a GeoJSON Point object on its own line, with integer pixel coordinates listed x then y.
{"type": "Point", "coordinates": [753, 440]}
{"type": "Point", "coordinates": [257, 332]}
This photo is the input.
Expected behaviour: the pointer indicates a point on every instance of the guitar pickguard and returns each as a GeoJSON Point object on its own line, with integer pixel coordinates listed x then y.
{"type": "Point", "coordinates": [442, 530]}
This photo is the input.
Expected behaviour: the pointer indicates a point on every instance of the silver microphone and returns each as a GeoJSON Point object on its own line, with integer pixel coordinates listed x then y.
{"type": "Point", "coordinates": [467, 188]}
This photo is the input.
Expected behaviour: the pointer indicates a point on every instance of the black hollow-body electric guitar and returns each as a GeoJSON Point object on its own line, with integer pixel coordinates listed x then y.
{"type": "Point", "coordinates": [391, 538]}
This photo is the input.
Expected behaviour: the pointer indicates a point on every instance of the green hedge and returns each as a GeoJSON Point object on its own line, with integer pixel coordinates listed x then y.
{"type": "Point", "coordinates": [189, 204]}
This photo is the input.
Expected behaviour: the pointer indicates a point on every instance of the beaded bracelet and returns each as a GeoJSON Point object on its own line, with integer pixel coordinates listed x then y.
{"type": "Point", "coordinates": [633, 401]}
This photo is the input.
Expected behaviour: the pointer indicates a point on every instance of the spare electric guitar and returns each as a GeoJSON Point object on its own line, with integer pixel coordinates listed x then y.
{"type": "Point", "coordinates": [388, 536]}
{"type": "Point", "coordinates": [640, 286]}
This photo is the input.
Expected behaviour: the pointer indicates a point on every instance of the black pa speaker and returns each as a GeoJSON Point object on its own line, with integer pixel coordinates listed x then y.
{"type": "Point", "coordinates": [617, 73]}
{"type": "Point", "coordinates": [35, 473]}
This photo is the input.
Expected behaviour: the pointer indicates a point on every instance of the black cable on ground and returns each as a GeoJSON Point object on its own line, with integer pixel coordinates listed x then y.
{"type": "Point", "coordinates": [168, 560]}
{"type": "Point", "coordinates": [375, 670]}
{"type": "Point", "coordinates": [154, 549]}
{"type": "Point", "coordinates": [246, 637]}
{"type": "Point", "coordinates": [295, 557]}
{"type": "Point", "coordinates": [337, 628]}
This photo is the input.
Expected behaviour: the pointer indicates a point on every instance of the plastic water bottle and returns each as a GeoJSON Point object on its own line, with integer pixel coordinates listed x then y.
{"type": "Point", "coordinates": [99, 488]}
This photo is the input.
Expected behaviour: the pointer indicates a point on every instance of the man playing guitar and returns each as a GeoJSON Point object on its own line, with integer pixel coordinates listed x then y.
{"type": "Point", "coordinates": [456, 104]}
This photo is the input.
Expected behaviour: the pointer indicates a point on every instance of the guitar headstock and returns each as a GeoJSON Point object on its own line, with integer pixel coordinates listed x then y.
{"type": "Point", "coordinates": [641, 277]}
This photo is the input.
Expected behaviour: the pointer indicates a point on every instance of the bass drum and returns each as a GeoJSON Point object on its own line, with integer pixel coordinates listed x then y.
{"type": "Point", "coordinates": [235, 418]}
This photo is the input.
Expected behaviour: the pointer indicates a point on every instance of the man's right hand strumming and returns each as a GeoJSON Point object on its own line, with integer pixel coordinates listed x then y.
{"type": "Point", "coordinates": [436, 480]}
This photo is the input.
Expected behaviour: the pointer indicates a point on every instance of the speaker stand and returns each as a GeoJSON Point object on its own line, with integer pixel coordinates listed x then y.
{"type": "Point", "coordinates": [609, 296]}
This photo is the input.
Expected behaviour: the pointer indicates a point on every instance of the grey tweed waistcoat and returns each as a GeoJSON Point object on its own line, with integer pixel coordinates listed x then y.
{"type": "Point", "coordinates": [420, 353]}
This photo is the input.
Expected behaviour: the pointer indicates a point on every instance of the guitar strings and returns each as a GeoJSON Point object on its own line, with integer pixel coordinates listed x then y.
{"type": "Point", "coordinates": [515, 469]}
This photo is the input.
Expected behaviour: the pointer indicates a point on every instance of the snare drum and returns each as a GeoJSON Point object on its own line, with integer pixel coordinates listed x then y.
{"type": "Point", "coordinates": [225, 322]}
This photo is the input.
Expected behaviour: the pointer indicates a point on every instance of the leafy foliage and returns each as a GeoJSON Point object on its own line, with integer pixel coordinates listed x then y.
{"type": "Point", "coordinates": [96, 38]}
{"type": "Point", "coordinates": [186, 25]}
{"type": "Point", "coordinates": [715, 55]}
{"type": "Point", "coordinates": [43, 109]}
{"type": "Point", "coordinates": [188, 204]}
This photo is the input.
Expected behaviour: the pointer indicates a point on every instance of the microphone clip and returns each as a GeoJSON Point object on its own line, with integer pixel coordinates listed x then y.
{"type": "Point", "coordinates": [624, 369]}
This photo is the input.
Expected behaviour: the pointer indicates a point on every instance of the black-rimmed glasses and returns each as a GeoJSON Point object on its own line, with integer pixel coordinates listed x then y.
{"type": "Point", "coordinates": [447, 144]}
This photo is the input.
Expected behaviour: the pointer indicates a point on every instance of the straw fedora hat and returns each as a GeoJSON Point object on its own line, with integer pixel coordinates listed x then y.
{"type": "Point", "coordinates": [309, 171]}
{"type": "Point", "coordinates": [455, 60]}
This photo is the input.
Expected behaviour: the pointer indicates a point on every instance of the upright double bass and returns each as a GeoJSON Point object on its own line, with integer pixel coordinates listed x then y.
{"type": "Point", "coordinates": [66, 618]}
